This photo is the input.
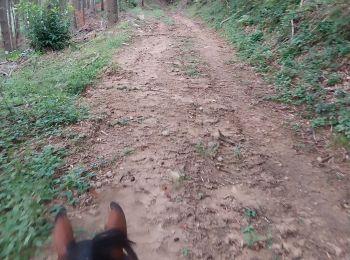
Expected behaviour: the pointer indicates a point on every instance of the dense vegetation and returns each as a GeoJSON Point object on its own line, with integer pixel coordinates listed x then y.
{"type": "Point", "coordinates": [303, 46]}
{"type": "Point", "coordinates": [35, 103]}
{"type": "Point", "coordinates": [47, 27]}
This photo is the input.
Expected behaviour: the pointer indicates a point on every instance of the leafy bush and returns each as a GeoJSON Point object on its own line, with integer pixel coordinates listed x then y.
{"type": "Point", "coordinates": [47, 28]}
{"type": "Point", "coordinates": [126, 4]}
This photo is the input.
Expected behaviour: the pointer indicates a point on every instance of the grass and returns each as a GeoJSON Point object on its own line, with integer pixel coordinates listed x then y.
{"type": "Point", "coordinates": [188, 62]}
{"type": "Point", "coordinates": [237, 152]}
{"type": "Point", "coordinates": [168, 20]}
{"type": "Point", "coordinates": [35, 103]}
{"type": "Point", "coordinates": [309, 67]}
{"type": "Point", "coordinates": [155, 12]}
{"type": "Point", "coordinates": [250, 236]}
{"type": "Point", "coordinates": [209, 150]}
{"type": "Point", "coordinates": [186, 252]}
{"type": "Point", "coordinates": [127, 151]}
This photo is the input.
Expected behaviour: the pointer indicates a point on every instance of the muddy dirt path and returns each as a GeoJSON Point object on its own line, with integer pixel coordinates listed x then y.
{"type": "Point", "coordinates": [203, 167]}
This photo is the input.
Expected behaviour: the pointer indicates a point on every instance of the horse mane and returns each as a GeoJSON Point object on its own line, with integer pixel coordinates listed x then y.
{"type": "Point", "coordinates": [105, 242]}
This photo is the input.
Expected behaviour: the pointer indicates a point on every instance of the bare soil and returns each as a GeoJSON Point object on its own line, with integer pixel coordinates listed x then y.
{"type": "Point", "coordinates": [203, 166]}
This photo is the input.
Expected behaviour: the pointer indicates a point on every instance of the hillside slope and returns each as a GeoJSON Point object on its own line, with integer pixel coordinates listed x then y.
{"type": "Point", "coordinates": [303, 47]}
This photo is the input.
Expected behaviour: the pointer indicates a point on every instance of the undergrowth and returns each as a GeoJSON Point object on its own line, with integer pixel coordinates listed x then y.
{"type": "Point", "coordinates": [35, 103]}
{"type": "Point", "coordinates": [303, 47]}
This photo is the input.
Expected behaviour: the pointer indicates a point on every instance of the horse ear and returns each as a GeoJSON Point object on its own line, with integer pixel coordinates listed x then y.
{"type": "Point", "coordinates": [62, 234]}
{"type": "Point", "coordinates": [116, 218]}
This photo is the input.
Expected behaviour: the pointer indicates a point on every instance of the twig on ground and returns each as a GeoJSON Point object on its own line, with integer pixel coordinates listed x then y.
{"type": "Point", "coordinates": [94, 59]}
{"type": "Point", "coordinates": [225, 139]}
{"type": "Point", "coordinates": [227, 19]}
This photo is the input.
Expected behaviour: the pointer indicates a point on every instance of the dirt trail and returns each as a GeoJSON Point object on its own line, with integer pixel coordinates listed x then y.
{"type": "Point", "coordinates": [186, 189]}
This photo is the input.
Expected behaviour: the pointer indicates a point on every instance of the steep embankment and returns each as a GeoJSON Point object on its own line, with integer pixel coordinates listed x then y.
{"type": "Point", "coordinates": [301, 46]}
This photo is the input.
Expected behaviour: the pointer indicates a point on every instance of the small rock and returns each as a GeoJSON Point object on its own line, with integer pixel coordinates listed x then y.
{"type": "Point", "coordinates": [295, 252]}
{"type": "Point", "coordinates": [301, 242]}
{"type": "Point", "coordinates": [276, 247]}
{"type": "Point", "coordinates": [165, 133]}
{"type": "Point", "coordinates": [98, 184]}
{"type": "Point", "coordinates": [220, 159]}
{"type": "Point", "coordinates": [200, 108]}
{"type": "Point", "coordinates": [211, 121]}
{"type": "Point", "coordinates": [176, 239]}
{"type": "Point", "coordinates": [288, 230]}
{"type": "Point", "coordinates": [319, 159]}
{"type": "Point", "coordinates": [132, 178]}
{"type": "Point", "coordinates": [175, 175]}
{"type": "Point", "coordinates": [336, 250]}
{"type": "Point", "coordinates": [109, 174]}
{"type": "Point", "coordinates": [94, 212]}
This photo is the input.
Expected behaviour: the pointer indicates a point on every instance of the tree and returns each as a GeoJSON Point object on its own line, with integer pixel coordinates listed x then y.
{"type": "Point", "coordinates": [5, 25]}
{"type": "Point", "coordinates": [17, 25]}
{"type": "Point", "coordinates": [112, 11]}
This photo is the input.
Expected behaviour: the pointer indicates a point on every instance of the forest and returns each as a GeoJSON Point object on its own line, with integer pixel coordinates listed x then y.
{"type": "Point", "coordinates": [221, 126]}
{"type": "Point", "coordinates": [18, 16]}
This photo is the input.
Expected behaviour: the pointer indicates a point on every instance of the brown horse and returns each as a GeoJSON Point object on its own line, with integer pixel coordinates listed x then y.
{"type": "Point", "coordinates": [108, 245]}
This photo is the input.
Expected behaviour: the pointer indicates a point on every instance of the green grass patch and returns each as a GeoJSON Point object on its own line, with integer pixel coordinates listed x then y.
{"type": "Point", "coordinates": [35, 103]}
{"type": "Point", "coordinates": [306, 65]}
{"type": "Point", "coordinates": [168, 20]}
{"type": "Point", "coordinates": [153, 11]}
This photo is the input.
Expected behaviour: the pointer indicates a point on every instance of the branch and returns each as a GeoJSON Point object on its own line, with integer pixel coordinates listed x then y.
{"type": "Point", "coordinates": [89, 63]}
{"type": "Point", "coordinates": [224, 21]}
{"type": "Point", "coordinates": [227, 19]}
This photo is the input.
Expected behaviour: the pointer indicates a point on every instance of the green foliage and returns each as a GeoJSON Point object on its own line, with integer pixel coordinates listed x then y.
{"type": "Point", "coordinates": [250, 213]}
{"type": "Point", "coordinates": [47, 27]}
{"type": "Point", "coordinates": [13, 56]}
{"type": "Point", "coordinates": [237, 151]}
{"type": "Point", "coordinates": [210, 150]}
{"type": "Point", "coordinates": [250, 236]}
{"type": "Point", "coordinates": [200, 148]}
{"type": "Point", "coordinates": [39, 99]}
{"type": "Point", "coordinates": [27, 183]}
{"type": "Point", "coordinates": [305, 65]}
{"type": "Point", "coordinates": [126, 4]}
{"type": "Point", "coordinates": [127, 151]}
{"type": "Point", "coordinates": [186, 252]}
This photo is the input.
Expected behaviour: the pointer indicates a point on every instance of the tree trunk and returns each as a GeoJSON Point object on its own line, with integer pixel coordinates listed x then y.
{"type": "Point", "coordinates": [112, 11]}
{"type": "Point", "coordinates": [73, 3]}
{"type": "Point", "coordinates": [5, 26]}
{"type": "Point", "coordinates": [93, 5]}
{"type": "Point", "coordinates": [17, 25]}
{"type": "Point", "coordinates": [10, 22]}
{"type": "Point", "coordinates": [83, 10]}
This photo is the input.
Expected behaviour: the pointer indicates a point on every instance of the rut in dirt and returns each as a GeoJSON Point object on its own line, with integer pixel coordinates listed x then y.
{"type": "Point", "coordinates": [201, 165]}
